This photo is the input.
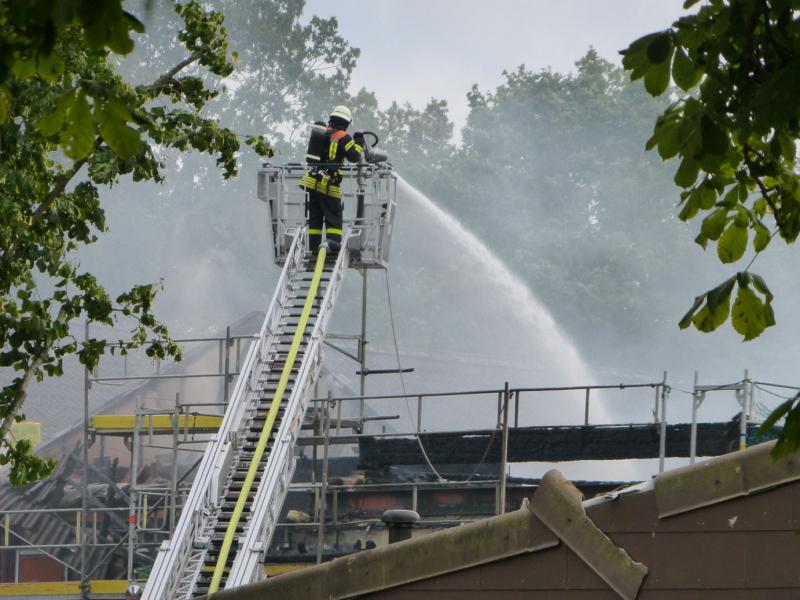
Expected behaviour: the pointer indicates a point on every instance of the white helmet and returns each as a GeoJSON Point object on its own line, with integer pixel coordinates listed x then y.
{"type": "Point", "coordinates": [342, 112]}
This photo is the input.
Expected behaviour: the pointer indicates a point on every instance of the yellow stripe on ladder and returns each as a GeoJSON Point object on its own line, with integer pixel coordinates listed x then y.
{"type": "Point", "coordinates": [270, 422]}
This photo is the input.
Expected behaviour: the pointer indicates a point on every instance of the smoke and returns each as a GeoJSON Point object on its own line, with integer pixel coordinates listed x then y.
{"type": "Point", "coordinates": [207, 243]}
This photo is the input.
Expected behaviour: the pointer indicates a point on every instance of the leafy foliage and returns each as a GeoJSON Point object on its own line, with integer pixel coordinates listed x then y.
{"type": "Point", "coordinates": [733, 126]}
{"type": "Point", "coordinates": [31, 30]}
{"type": "Point", "coordinates": [289, 69]}
{"type": "Point", "coordinates": [789, 439]}
{"type": "Point", "coordinates": [72, 125]}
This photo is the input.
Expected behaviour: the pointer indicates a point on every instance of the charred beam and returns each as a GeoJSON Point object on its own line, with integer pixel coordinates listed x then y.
{"type": "Point", "coordinates": [551, 444]}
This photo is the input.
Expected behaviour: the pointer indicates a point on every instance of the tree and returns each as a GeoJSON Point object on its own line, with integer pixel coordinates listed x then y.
{"type": "Point", "coordinates": [734, 126]}
{"type": "Point", "coordinates": [288, 72]}
{"type": "Point", "coordinates": [550, 173]}
{"type": "Point", "coordinates": [195, 222]}
{"type": "Point", "coordinates": [72, 125]}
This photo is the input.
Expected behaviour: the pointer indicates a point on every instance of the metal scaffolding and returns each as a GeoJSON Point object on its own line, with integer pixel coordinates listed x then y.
{"type": "Point", "coordinates": [179, 424]}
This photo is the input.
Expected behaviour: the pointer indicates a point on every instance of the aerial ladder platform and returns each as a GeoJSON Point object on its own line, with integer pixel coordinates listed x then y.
{"type": "Point", "coordinates": [232, 509]}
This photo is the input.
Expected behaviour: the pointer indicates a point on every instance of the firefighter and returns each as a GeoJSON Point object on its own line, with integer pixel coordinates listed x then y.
{"type": "Point", "coordinates": [327, 149]}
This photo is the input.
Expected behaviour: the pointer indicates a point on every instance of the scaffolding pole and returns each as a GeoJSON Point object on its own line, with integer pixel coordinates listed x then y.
{"type": "Point", "coordinates": [504, 455]}
{"type": "Point", "coordinates": [697, 399]}
{"type": "Point", "coordinates": [326, 416]}
{"type": "Point", "coordinates": [362, 345]}
{"type": "Point", "coordinates": [133, 492]}
{"type": "Point", "coordinates": [662, 442]}
{"type": "Point", "coordinates": [173, 508]}
{"type": "Point", "coordinates": [85, 474]}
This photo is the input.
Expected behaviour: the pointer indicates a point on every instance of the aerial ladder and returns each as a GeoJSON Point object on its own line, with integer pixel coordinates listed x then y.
{"type": "Point", "coordinates": [232, 509]}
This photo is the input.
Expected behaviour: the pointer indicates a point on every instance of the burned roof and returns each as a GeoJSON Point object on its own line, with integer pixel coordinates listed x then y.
{"type": "Point", "coordinates": [57, 402]}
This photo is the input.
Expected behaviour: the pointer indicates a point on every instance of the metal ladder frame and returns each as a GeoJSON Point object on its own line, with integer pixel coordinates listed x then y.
{"type": "Point", "coordinates": [268, 502]}
{"type": "Point", "coordinates": [183, 553]}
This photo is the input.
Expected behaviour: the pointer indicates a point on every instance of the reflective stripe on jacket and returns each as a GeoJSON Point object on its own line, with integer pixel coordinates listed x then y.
{"type": "Point", "coordinates": [328, 179]}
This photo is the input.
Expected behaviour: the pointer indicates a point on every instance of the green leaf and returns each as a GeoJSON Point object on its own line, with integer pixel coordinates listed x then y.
{"type": "Point", "coordinates": [776, 96]}
{"type": "Point", "coordinates": [24, 68]}
{"type": "Point", "coordinates": [741, 218]}
{"type": "Point", "coordinates": [634, 57]}
{"type": "Point", "coordinates": [749, 316]}
{"type": "Point", "coordinates": [707, 320]}
{"type": "Point", "coordinates": [670, 143]}
{"type": "Point", "coordinates": [5, 102]}
{"type": "Point", "coordinates": [743, 193]}
{"type": "Point", "coordinates": [50, 66]}
{"type": "Point", "coordinates": [788, 149]}
{"type": "Point", "coordinates": [731, 198]}
{"type": "Point", "coordinates": [658, 50]}
{"type": "Point", "coordinates": [717, 308]}
{"type": "Point", "coordinates": [776, 415]}
{"type": "Point", "coordinates": [134, 23]}
{"type": "Point", "coordinates": [112, 118]}
{"type": "Point", "coordinates": [707, 194]}
{"type": "Point", "coordinates": [653, 140]}
{"type": "Point", "coordinates": [714, 224]}
{"type": "Point", "coordinates": [684, 71]}
{"type": "Point", "coordinates": [714, 139]}
{"type": "Point", "coordinates": [732, 244]}
{"type": "Point", "coordinates": [690, 208]}
{"type": "Point", "coordinates": [687, 173]}
{"type": "Point", "coordinates": [119, 39]}
{"type": "Point", "coordinates": [761, 286]}
{"type": "Point", "coordinates": [656, 79]}
{"type": "Point", "coordinates": [53, 122]}
{"type": "Point", "coordinates": [692, 107]}
{"type": "Point", "coordinates": [687, 318]}
{"type": "Point", "coordinates": [789, 441]}
{"type": "Point", "coordinates": [762, 237]}
{"type": "Point", "coordinates": [721, 295]}
{"type": "Point", "coordinates": [77, 139]}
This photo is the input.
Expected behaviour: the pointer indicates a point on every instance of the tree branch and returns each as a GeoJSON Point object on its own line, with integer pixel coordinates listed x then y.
{"type": "Point", "coordinates": [67, 176]}
{"type": "Point", "coordinates": [167, 77]}
{"type": "Point", "coordinates": [762, 188]}
{"type": "Point", "coordinates": [59, 188]}
{"type": "Point", "coordinates": [757, 254]}
{"type": "Point", "coordinates": [51, 197]}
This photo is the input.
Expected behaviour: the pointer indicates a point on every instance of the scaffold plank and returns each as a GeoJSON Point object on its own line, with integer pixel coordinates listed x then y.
{"type": "Point", "coordinates": [62, 588]}
{"type": "Point", "coordinates": [161, 424]}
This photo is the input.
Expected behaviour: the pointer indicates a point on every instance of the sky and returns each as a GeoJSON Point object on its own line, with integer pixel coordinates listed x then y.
{"type": "Point", "coordinates": [415, 50]}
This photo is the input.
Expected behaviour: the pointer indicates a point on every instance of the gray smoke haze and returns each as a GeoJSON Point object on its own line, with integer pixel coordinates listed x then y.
{"type": "Point", "coordinates": [208, 239]}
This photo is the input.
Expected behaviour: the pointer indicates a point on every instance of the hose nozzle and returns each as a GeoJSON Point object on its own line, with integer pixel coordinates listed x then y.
{"type": "Point", "coordinates": [371, 154]}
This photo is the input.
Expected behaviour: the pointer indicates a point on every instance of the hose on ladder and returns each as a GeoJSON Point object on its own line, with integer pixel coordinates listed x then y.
{"type": "Point", "coordinates": [268, 425]}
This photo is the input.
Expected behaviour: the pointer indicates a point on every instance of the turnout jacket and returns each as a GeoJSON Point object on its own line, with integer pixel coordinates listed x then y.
{"type": "Point", "coordinates": [327, 176]}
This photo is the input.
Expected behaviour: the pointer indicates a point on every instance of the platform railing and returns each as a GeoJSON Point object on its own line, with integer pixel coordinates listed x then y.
{"type": "Point", "coordinates": [369, 196]}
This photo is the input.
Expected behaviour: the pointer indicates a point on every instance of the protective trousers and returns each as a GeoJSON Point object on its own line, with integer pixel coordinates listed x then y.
{"type": "Point", "coordinates": [324, 210]}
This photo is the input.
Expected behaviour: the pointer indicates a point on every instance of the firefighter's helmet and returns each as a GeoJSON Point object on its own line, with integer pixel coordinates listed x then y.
{"type": "Point", "coordinates": [343, 113]}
